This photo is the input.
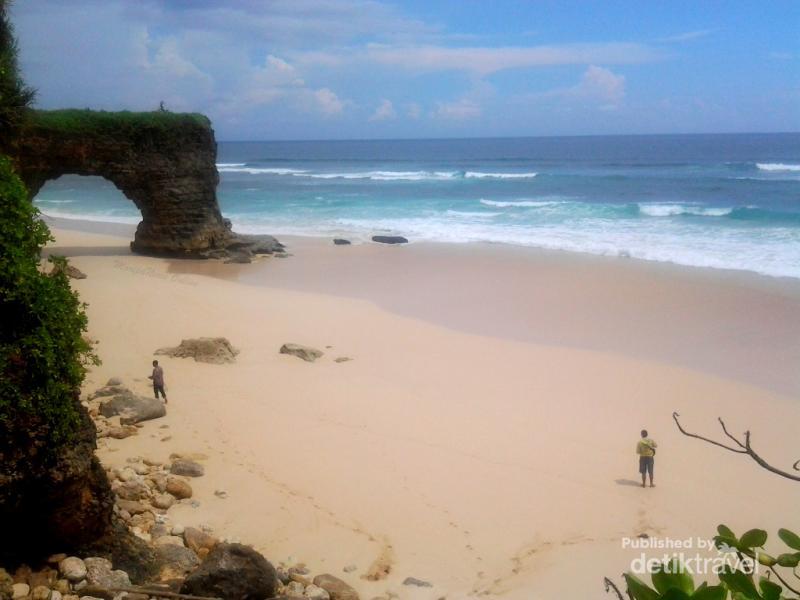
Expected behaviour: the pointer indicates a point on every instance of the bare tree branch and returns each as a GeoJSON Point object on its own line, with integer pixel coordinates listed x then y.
{"type": "Point", "coordinates": [610, 585]}
{"type": "Point", "coordinates": [725, 429]}
{"type": "Point", "coordinates": [744, 448]}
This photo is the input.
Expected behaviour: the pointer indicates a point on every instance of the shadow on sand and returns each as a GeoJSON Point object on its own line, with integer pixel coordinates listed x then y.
{"type": "Point", "coordinates": [69, 251]}
{"type": "Point", "coordinates": [629, 482]}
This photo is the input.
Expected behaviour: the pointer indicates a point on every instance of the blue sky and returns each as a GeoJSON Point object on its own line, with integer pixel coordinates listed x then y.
{"type": "Point", "coordinates": [344, 69]}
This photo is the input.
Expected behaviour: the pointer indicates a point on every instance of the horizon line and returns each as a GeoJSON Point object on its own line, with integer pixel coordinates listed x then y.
{"type": "Point", "coordinates": [505, 137]}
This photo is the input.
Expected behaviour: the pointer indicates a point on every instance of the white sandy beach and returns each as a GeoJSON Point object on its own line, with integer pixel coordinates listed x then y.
{"type": "Point", "coordinates": [485, 448]}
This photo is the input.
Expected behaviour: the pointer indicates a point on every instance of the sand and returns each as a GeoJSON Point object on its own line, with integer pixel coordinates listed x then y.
{"type": "Point", "coordinates": [486, 455]}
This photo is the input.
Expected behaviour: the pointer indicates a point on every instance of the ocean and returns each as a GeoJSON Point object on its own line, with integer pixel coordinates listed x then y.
{"type": "Point", "coordinates": [719, 201]}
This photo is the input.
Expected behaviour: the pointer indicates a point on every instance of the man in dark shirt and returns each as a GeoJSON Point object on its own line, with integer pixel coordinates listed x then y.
{"type": "Point", "coordinates": [158, 380]}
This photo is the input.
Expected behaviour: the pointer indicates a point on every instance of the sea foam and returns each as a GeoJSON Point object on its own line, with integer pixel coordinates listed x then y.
{"type": "Point", "coordinates": [777, 167]}
{"type": "Point", "coordinates": [673, 210]}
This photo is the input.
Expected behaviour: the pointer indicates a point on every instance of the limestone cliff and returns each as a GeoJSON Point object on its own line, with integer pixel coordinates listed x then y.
{"type": "Point", "coordinates": [164, 162]}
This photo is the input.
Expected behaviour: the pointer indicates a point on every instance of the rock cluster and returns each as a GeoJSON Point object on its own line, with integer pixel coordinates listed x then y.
{"type": "Point", "coordinates": [191, 560]}
{"type": "Point", "coordinates": [208, 350]}
{"type": "Point", "coordinates": [118, 412]}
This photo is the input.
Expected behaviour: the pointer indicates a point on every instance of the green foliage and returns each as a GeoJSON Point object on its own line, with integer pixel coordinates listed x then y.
{"type": "Point", "coordinates": [15, 96]}
{"type": "Point", "coordinates": [99, 122]}
{"type": "Point", "coordinates": [43, 355]}
{"type": "Point", "coordinates": [671, 582]}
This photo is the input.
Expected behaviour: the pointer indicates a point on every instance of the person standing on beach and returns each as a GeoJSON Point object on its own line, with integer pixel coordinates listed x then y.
{"type": "Point", "coordinates": [646, 449]}
{"type": "Point", "coordinates": [158, 381]}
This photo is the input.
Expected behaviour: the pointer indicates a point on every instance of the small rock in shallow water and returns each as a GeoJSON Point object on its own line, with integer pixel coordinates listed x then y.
{"type": "Point", "coordinates": [349, 568]}
{"type": "Point", "coordinates": [341, 242]}
{"type": "Point", "coordinates": [389, 239]}
{"type": "Point", "coordinates": [341, 359]}
{"type": "Point", "coordinates": [221, 494]}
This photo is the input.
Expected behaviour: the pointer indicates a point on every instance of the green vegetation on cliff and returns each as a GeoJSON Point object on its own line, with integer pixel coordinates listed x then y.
{"type": "Point", "coordinates": [99, 122]}
{"type": "Point", "coordinates": [43, 355]}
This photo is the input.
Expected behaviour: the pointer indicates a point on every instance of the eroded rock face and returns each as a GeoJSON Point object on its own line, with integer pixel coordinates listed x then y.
{"type": "Point", "coordinates": [50, 501]}
{"type": "Point", "coordinates": [165, 164]}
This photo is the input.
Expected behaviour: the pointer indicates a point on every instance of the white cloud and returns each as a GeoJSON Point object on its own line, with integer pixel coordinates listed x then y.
{"type": "Point", "coordinates": [686, 36]}
{"type": "Point", "coordinates": [601, 83]}
{"type": "Point", "coordinates": [328, 102]}
{"type": "Point", "coordinates": [413, 110]}
{"type": "Point", "coordinates": [483, 60]}
{"type": "Point", "coordinates": [384, 112]}
{"type": "Point", "coordinates": [458, 110]}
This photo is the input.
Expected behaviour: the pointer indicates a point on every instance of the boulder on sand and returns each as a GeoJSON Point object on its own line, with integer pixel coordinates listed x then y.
{"type": "Point", "coordinates": [389, 239]}
{"type": "Point", "coordinates": [176, 561]}
{"type": "Point", "coordinates": [187, 468]}
{"type": "Point", "coordinates": [133, 408]}
{"type": "Point", "coordinates": [338, 589]}
{"type": "Point", "coordinates": [232, 572]}
{"type": "Point", "coordinates": [208, 350]}
{"type": "Point", "coordinates": [305, 352]}
{"type": "Point", "coordinates": [341, 242]}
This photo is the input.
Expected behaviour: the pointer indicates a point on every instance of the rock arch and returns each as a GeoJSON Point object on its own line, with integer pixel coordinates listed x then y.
{"type": "Point", "coordinates": [164, 162]}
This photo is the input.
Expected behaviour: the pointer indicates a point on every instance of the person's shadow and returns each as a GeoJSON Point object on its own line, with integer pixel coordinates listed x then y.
{"type": "Point", "coordinates": [630, 482]}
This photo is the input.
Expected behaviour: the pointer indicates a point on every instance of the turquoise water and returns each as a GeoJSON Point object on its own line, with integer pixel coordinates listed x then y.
{"type": "Point", "coordinates": [723, 201]}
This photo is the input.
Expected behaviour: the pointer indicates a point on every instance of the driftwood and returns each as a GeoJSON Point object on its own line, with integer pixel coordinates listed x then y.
{"type": "Point", "coordinates": [110, 592]}
{"type": "Point", "coordinates": [742, 447]}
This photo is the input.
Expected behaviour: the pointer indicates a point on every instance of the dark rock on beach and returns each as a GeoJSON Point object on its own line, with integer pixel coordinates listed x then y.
{"type": "Point", "coordinates": [389, 239]}
{"type": "Point", "coordinates": [233, 572]}
{"type": "Point", "coordinates": [133, 408]}
{"type": "Point", "coordinates": [307, 353]}
{"type": "Point", "coordinates": [208, 350]}
{"type": "Point", "coordinates": [187, 468]}
{"type": "Point", "coordinates": [416, 582]}
{"type": "Point", "coordinates": [341, 242]}
{"type": "Point", "coordinates": [175, 561]}
{"type": "Point", "coordinates": [338, 589]}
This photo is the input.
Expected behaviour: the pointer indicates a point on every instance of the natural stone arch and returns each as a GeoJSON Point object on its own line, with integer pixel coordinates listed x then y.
{"type": "Point", "coordinates": [164, 162]}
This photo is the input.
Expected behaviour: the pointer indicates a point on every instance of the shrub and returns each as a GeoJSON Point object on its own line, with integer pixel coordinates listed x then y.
{"type": "Point", "coordinates": [43, 355]}
{"type": "Point", "coordinates": [15, 96]}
